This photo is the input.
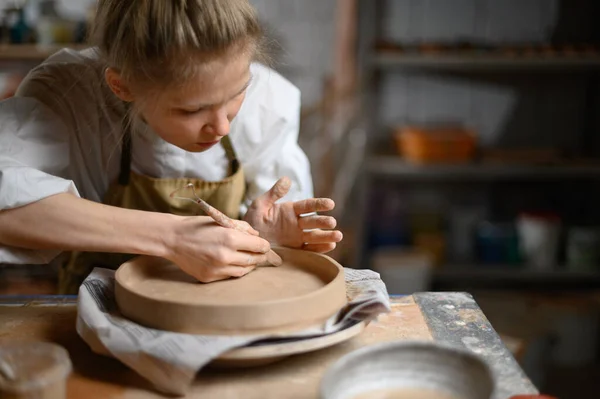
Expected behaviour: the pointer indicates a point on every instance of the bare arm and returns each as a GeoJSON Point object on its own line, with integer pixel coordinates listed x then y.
{"type": "Point", "coordinates": [196, 244]}
{"type": "Point", "coordinates": [69, 223]}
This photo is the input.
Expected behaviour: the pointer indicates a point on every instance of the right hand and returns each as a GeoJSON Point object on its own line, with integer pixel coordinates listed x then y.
{"type": "Point", "coordinates": [209, 252]}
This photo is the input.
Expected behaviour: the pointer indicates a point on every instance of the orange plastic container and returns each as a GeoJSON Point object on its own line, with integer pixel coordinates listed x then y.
{"type": "Point", "coordinates": [436, 144]}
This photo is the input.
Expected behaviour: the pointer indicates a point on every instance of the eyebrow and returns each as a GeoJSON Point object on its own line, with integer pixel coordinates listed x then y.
{"type": "Point", "coordinates": [201, 106]}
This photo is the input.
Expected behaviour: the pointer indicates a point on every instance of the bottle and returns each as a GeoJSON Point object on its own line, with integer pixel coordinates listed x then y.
{"type": "Point", "coordinates": [52, 28]}
{"type": "Point", "coordinates": [18, 30]}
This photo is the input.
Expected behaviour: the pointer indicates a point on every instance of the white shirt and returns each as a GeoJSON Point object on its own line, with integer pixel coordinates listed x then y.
{"type": "Point", "coordinates": [62, 130]}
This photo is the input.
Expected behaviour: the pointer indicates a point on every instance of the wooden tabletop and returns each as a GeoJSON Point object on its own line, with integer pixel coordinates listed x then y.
{"type": "Point", "coordinates": [452, 318]}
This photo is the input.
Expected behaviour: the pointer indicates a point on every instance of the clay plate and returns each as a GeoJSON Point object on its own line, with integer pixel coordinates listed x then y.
{"type": "Point", "coordinates": [305, 291]}
{"type": "Point", "coordinates": [274, 350]}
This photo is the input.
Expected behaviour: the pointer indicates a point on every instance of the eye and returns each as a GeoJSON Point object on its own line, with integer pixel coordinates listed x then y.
{"type": "Point", "coordinates": [192, 112]}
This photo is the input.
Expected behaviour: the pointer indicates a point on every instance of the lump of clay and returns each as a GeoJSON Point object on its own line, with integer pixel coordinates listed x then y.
{"type": "Point", "coordinates": [33, 370]}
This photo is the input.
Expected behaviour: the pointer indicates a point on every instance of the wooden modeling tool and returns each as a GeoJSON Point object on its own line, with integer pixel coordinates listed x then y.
{"type": "Point", "coordinates": [223, 220]}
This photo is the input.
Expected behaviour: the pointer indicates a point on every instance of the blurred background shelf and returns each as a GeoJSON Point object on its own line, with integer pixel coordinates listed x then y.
{"type": "Point", "coordinates": [33, 52]}
{"type": "Point", "coordinates": [523, 75]}
{"type": "Point", "coordinates": [391, 166]}
{"type": "Point", "coordinates": [509, 277]}
{"type": "Point", "coordinates": [517, 101]}
{"type": "Point", "coordinates": [482, 63]}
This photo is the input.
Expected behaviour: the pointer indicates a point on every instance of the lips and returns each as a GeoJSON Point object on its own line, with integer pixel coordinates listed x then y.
{"type": "Point", "coordinates": [207, 144]}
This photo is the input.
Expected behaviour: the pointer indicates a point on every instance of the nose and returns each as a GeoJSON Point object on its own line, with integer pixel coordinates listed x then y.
{"type": "Point", "coordinates": [219, 122]}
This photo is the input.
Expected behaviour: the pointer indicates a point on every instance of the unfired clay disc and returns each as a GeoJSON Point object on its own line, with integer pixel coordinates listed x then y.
{"type": "Point", "coordinates": [271, 352]}
{"type": "Point", "coordinates": [305, 291]}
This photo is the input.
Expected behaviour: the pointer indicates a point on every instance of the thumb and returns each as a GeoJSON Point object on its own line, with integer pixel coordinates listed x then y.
{"type": "Point", "coordinates": [278, 191]}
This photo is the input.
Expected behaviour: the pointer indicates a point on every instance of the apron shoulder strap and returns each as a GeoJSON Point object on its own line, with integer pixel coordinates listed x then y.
{"type": "Point", "coordinates": [125, 170]}
{"type": "Point", "coordinates": [226, 143]}
{"type": "Point", "coordinates": [230, 152]}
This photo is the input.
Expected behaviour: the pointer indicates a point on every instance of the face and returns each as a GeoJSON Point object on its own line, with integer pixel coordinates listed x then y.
{"type": "Point", "coordinates": [196, 116]}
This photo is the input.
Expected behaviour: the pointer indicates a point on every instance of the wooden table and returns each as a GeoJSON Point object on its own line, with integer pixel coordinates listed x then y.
{"type": "Point", "coordinates": [453, 318]}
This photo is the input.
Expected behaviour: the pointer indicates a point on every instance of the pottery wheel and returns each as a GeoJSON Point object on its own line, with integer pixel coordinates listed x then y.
{"type": "Point", "coordinates": [305, 291]}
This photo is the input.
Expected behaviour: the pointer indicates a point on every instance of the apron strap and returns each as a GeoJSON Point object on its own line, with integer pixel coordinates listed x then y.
{"type": "Point", "coordinates": [125, 171]}
{"type": "Point", "coordinates": [234, 164]}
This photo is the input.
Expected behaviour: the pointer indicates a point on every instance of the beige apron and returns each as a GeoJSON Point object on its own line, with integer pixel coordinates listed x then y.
{"type": "Point", "coordinates": [134, 191]}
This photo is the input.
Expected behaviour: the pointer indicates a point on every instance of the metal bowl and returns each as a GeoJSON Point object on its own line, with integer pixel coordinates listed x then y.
{"type": "Point", "coordinates": [392, 370]}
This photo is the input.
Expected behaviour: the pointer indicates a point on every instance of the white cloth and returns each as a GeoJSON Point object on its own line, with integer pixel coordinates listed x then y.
{"type": "Point", "coordinates": [62, 130]}
{"type": "Point", "coordinates": [171, 360]}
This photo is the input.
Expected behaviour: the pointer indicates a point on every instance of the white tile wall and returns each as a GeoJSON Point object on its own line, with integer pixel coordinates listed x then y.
{"type": "Point", "coordinates": [305, 31]}
{"type": "Point", "coordinates": [486, 20]}
{"type": "Point", "coordinates": [491, 107]}
{"type": "Point", "coordinates": [75, 8]}
{"type": "Point", "coordinates": [398, 20]}
{"type": "Point", "coordinates": [443, 19]}
{"type": "Point", "coordinates": [311, 87]}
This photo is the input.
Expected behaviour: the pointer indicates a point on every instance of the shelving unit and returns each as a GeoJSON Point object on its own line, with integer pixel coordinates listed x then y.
{"type": "Point", "coordinates": [485, 62]}
{"type": "Point", "coordinates": [509, 276]}
{"type": "Point", "coordinates": [19, 57]}
{"type": "Point", "coordinates": [32, 52]}
{"type": "Point", "coordinates": [392, 169]}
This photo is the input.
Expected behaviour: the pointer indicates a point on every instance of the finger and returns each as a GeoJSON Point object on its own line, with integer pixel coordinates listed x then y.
{"type": "Point", "coordinates": [210, 278]}
{"type": "Point", "coordinates": [278, 191]}
{"type": "Point", "coordinates": [247, 259]}
{"type": "Point", "coordinates": [313, 205]}
{"type": "Point", "coordinates": [274, 259]}
{"type": "Point", "coordinates": [321, 236]}
{"type": "Point", "coordinates": [221, 273]}
{"type": "Point", "coordinates": [217, 215]}
{"type": "Point", "coordinates": [317, 222]}
{"type": "Point", "coordinates": [226, 272]}
{"type": "Point", "coordinates": [320, 248]}
{"type": "Point", "coordinates": [245, 227]}
{"type": "Point", "coordinates": [239, 241]}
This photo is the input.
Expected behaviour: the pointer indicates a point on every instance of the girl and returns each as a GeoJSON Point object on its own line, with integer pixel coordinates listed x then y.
{"type": "Point", "coordinates": [94, 143]}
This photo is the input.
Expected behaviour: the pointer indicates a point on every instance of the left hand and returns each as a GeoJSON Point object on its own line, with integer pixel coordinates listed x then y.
{"type": "Point", "coordinates": [282, 224]}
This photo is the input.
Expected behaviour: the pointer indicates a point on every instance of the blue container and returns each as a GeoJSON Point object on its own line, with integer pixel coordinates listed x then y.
{"type": "Point", "coordinates": [20, 32]}
{"type": "Point", "coordinates": [497, 244]}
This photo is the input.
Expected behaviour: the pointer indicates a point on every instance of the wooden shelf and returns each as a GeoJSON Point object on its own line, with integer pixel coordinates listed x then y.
{"type": "Point", "coordinates": [33, 52]}
{"type": "Point", "coordinates": [395, 167]}
{"type": "Point", "coordinates": [512, 277]}
{"type": "Point", "coordinates": [484, 62]}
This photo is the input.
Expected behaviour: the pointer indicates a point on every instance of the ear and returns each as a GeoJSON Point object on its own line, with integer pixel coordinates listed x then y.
{"type": "Point", "coordinates": [116, 84]}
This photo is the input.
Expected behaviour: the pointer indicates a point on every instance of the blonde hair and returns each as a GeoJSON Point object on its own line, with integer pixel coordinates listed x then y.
{"type": "Point", "coordinates": [154, 43]}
